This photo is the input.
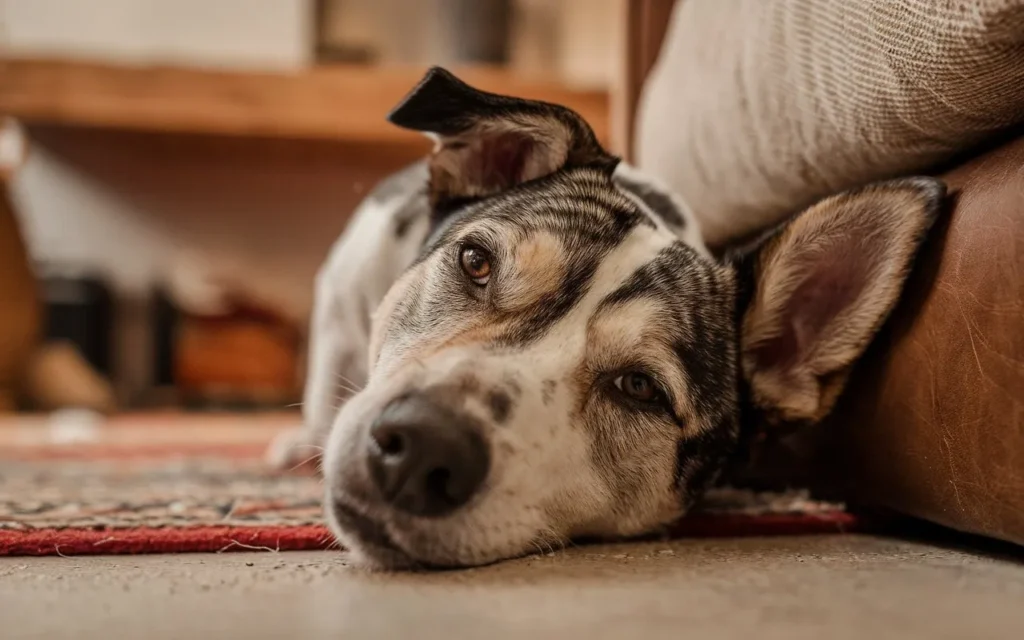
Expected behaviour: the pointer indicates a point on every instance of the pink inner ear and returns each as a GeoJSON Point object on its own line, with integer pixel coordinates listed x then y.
{"type": "Point", "coordinates": [835, 279]}
{"type": "Point", "coordinates": [499, 161]}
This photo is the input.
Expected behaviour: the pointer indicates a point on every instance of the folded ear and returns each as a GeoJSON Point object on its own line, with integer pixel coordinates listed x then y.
{"type": "Point", "coordinates": [487, 143]}
{"type": "Point", "coordinates": [821, 287]}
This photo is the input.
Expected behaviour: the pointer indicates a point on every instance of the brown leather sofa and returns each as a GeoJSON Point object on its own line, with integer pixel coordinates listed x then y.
{"type": "Point", "coordinates": [932, 423]}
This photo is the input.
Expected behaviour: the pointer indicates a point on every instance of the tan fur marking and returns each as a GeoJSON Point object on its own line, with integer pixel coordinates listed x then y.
{"type": "Point", "coordinates": [634, 331]}
{"type": "Point", "coordinates": [538, 268]}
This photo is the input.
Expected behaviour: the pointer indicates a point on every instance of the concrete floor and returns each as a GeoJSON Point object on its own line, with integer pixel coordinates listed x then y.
{"type": "Point", "coordinates": [809, 587]}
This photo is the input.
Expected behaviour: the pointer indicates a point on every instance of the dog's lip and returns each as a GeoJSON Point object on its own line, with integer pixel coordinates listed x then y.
{"type": "Point", "coordinates": [364, 527]}
{"type": "Point", "coordinates": [372, 534]}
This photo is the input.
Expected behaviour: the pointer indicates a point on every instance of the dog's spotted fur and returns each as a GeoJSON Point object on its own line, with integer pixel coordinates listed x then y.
{"type": "Point", "coordinates": [596, 272]}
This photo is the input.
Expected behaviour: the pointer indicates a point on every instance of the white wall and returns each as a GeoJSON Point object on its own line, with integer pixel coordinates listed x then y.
{"type": "Point", "coordinates": [268, 34]}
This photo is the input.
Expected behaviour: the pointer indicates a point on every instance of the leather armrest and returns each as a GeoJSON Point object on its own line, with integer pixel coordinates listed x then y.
{"type": "Point", "coordinates": [932, 424]}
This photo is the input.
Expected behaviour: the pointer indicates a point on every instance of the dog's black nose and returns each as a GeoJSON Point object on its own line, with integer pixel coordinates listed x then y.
{"type": "Point", "coordinates": [425, 459]}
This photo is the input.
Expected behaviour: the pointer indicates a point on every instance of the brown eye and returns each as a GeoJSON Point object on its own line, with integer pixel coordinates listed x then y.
{"type": "Point", "coordinates": [638, 386]}
{"type": "Point", "coordinates": [476, 263]}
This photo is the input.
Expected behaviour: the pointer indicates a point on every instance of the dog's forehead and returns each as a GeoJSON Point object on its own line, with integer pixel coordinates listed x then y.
{"type": "Point", "coordinates": [580, 206]}
{"type": "Point", "coordinates": [576, 233]}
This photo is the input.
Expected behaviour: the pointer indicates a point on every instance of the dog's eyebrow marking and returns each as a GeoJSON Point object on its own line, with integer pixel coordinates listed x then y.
{"type": "Point", "coordinates": [537, 270]}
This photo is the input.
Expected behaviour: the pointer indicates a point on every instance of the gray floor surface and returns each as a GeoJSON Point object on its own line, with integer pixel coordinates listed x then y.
{"type": "Point", "coordinates": [754, 589]}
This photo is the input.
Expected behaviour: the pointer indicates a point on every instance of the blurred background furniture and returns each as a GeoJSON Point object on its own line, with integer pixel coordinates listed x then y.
{"type": "Point", "coordinates": [214, 149]}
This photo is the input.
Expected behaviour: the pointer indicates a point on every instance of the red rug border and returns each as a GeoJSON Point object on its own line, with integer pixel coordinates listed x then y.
{"type": "Point", "coordinates": [206, 539]}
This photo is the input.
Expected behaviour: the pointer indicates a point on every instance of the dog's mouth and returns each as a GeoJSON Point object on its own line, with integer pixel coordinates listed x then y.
{"type": "Point", "coordinates": [371, 537]}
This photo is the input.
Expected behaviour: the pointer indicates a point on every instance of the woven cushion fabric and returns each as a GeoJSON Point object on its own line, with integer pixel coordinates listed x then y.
{"type": "Point", "coordinates": [758, 107]}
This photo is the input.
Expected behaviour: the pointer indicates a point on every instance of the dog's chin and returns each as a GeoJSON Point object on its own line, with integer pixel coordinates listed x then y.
{"type": "Point", "coordinates": [373, 548]}
{"type": "Point", "coordinates": [367, 540]}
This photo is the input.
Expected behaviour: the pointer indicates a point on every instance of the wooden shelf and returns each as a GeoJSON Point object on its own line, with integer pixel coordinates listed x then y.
{"type": "Point", "coordinates": [345, 103]}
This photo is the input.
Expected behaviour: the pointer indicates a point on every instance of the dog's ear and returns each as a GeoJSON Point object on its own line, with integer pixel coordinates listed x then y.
{"type": "Point", "coordinates": [821, 287]}
{"type": "Point", "coordinates": [487, 143]}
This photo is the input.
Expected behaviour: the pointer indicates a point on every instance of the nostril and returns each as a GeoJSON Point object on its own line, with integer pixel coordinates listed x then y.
{"type": "Point", "coordinates": [437, 484]}
{"type": "Point", "coordinates": [391, 443]}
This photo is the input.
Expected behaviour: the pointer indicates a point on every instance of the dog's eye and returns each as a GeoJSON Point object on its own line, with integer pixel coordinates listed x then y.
{"type": "Point", "coordinates": [639, 387]}
{"type": "Point", "coordinates": [476, 263]}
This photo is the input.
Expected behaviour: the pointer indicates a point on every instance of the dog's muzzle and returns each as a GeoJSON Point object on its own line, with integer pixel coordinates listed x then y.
{"type": "Point", "coordinates": [426, 459]}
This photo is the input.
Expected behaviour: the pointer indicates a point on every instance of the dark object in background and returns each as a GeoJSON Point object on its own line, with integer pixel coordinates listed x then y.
{"type": "Point", "coordinates": [477, 30]}
{"type": "Point", "coordinates": [166, 318]}
{"type": "Point", "coordinates": [445, 32]}
{"type": "Point", "coordinates": [246, 358]}
{"type": "Point", "coordinates": [79, 309]}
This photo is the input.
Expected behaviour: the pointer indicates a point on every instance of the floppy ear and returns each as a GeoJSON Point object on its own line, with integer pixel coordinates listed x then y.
{"type": "Point", "coordinates": [487, 143]}
{"type": "Point", "coordinates": [821, 287]}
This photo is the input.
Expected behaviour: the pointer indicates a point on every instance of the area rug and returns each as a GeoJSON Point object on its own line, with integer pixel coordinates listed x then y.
{"type": "Point", "coordinates": [192, 483]}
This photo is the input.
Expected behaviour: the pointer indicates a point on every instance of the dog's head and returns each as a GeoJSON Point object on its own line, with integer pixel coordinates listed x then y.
{"type": "Point", "coordinates": [557, 363]}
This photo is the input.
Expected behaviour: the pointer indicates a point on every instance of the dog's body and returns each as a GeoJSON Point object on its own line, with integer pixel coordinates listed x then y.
{"type": "Point", "coordinates": [553, 353]}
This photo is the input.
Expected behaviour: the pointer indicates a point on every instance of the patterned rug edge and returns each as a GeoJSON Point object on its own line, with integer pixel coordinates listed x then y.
{"type": "Point", "coordinates": [217, 539]}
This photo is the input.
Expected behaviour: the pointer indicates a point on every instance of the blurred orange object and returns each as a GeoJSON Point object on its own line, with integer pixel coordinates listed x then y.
{"type": "Point", "coordinates": [249, 356]}
{"type": "Point", "coordinates": [20, 313]}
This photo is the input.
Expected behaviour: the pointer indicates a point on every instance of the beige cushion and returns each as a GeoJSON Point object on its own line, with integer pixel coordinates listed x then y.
{"type": "Point", "coordinates": [758, 107]}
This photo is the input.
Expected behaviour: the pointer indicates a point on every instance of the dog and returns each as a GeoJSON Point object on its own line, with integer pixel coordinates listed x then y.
{"type": "Point", "coordinates": [530, 343]}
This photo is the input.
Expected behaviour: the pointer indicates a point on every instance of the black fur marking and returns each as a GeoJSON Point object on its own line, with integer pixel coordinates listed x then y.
{"type": "Point", "coordinates": [553, 307]}
{"type": "Point", "coordinates": [700, 459]}
{"type": "Point", "coordinates": [658, 201]}
{"type": "Point", "coordinates": [500, 404]}
{"type": "Point", "coordinates": [443, 104]}
{"type": "Point", "coordinates": [657, 279]}
{"type": "Point", "coordinates": [707, 368]}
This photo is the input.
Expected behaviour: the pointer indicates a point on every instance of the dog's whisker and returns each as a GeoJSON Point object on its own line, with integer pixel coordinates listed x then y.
{"type": "Point", "coordinates": [304, 462]}
{"type": "Point", "coordinates": [348, 381]}
{"type": "Point", "coordinates": [348, 389]}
